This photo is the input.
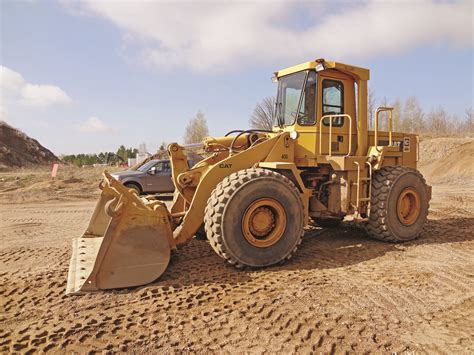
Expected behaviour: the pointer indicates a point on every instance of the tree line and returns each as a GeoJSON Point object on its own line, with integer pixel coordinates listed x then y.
{"type": "Point", "coordinates": [195, 131]}
{"type": "Point", "coordinates": [111, 158]}
{"type": "Point", "coordinates": [408, 116]}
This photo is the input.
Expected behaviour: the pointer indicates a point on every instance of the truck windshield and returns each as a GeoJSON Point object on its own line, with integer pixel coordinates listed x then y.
{"type": "Point", "coordinates": [288, 98]}
{"type": "Point", "coordinates": [147, 166]}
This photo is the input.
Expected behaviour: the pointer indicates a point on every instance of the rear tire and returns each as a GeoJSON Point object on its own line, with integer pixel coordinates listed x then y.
{"type": "Point", "coordinates": [255, 217]}
{"type": "Point", "coordinates": [399, 204]}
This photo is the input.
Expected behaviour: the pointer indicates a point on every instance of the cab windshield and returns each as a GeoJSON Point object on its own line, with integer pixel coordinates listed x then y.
{"type": "Point", "coordinates": [290, 94]}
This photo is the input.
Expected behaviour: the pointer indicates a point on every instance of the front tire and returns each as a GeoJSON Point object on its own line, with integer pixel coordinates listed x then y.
{"type": "Point", "coordinates": [134, 186]}
{"type": "Point", "coordinates": [399, 204]}
{"type": "Point", "coordinates": [255, 217]}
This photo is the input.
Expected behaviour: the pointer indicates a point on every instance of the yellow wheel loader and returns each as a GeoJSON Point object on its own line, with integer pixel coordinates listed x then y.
{"type": "Point", "coordinates": [256, 190]}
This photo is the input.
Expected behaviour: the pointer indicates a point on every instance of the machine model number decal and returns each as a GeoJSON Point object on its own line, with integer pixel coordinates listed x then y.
{"type": "Point", "coordinates": [225, 166]}
{"type": "Point", "coordinates": [406, 144]}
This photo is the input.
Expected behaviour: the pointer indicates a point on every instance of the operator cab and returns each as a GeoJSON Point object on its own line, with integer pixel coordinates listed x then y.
{"type": "Point", "coordinates": [307, 96]}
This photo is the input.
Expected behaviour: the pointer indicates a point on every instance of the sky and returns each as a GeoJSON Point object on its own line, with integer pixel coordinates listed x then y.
{"type": "Point", "coordinates": [88, 76]}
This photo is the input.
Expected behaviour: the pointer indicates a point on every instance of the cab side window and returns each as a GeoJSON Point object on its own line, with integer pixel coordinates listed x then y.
{"type": "Point", "coordinates": [333, 101]}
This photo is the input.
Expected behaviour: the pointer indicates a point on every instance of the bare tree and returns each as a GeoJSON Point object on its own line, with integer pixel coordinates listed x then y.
{"type": "Point", "coordinates": [469, 121]}
{"type": "Point", "coordinates": [262, 116]}
{"type": "Point", "coordinates": [438, 121]}
{"type": "Point", "coordinates": [371, 104]}
{"type": "Point", "coordinates": [196, 129]}
{"type": "Point", "coordinates": [162, 152]}
{"type": "Point", "coordinates": [383, 116]}
{"type": "Point", "coordinates": [408, 116]}
{"type": "Point", "coordinates": [413, 116]}
{"type": "Point", "coordinates": [397, 114]}
{"type": "Point", "coordinates": [383, 121]}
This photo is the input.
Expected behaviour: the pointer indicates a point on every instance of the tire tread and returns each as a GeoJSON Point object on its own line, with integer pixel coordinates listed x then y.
{"type": "Point", "coordinates": [214, 212]}
{"type": "Point", "coordinates": [382, 181]}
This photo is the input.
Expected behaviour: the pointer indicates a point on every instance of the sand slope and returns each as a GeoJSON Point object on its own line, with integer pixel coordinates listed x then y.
{"type": "Point", "coordinates": [448, 160]}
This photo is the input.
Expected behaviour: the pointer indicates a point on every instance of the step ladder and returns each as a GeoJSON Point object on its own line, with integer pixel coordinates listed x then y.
{"type": "Point", "coordinates": [361, 181]}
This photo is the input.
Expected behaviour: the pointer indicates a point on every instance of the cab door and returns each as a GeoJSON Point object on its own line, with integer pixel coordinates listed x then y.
{"type": "Point", "coordinates": [336, 96]}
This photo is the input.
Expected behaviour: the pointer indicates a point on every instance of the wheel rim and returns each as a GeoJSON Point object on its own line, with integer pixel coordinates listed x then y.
{"type": "Point", "coordinates": [264, 222]}
{"type": "Point", "coordinates": [408, 206]}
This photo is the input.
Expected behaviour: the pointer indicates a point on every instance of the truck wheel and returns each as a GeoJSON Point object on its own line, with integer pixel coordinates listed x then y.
{"type": "Point", "coordinates": [134, 186]}
{"type": "Point", "coordinates": [254, 217]}
{"type": "Point", "coordinates": [399, 204]}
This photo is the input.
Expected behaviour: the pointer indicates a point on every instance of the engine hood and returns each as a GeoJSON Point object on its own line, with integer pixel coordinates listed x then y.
{"type": "Point", "coordinates": [121, 175]}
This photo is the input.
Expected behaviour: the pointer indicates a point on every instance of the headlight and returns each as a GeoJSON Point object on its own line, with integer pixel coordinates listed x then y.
{"type": "Point", "coordinates": [320, 67]}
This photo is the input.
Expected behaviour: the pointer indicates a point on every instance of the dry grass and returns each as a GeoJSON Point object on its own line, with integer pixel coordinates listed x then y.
{"type": "Point", "coordinates": [28, 185]}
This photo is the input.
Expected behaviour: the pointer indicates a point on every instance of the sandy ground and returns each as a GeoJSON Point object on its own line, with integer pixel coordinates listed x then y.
{"type": "Point", "coordinates": [342, 292]}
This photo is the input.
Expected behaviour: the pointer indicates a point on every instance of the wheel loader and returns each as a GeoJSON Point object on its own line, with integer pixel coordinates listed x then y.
{"type": "Point", "coordinates": [256, 190]}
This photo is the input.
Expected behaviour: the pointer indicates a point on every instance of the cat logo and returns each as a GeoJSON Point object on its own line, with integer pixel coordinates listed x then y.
{"type": "Point", "coordinates": [225, 166]}
{"type": "Point", "coordinates": [397, 144]}
{"type": "Point", "coordinates": [406, 144]}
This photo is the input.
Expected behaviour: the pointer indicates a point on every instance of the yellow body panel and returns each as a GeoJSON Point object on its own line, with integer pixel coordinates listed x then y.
{"type": "Point", "coordinates": [296, 68]}
{"type": "Point", "coordinates": [357, 72]}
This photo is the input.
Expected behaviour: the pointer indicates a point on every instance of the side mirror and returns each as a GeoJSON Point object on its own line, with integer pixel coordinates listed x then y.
{"type": "Point", "coordinates": [152, 171]}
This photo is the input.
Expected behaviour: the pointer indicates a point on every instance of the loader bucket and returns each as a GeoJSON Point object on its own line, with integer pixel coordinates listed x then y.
{"type": "Point", "coordinates": [128, 242]}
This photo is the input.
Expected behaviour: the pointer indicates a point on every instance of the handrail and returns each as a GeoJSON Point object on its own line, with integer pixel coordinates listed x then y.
{"type": "Point", "coordinates": [369, 202]}
{"type": "Point", "coordinates": [390, 124]}
{"type": "Point", "coordinates": [358, 186]}
{"type": "Point", "coordinates": [369, 188]}
{"type": "Point", "coordinates": [330, 132]}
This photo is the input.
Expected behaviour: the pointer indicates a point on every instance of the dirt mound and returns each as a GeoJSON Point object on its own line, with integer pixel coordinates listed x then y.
{"type": "Point", "coordinates": [447, 160]}
{"type": "Point", "coordinates": [17, 150]}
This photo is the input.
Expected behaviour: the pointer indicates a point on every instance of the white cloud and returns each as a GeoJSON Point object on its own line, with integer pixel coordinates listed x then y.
{"type": "Point", "coordinates": [43, 95]}
{"type": "Point", "coordinates": [209, 36]}
{"type": "Point", "coordinates": [30, 94]}
{"type": "Point", "coordinates": [94, 125]}
{"type": "Point", "coordinates": [10, 80]}
{"type": "Point", "coordinates": [3, 111]}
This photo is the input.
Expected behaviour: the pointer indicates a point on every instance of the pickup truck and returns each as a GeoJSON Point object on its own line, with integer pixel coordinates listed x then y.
{"type": "Point", "coordinates": [152, 177]}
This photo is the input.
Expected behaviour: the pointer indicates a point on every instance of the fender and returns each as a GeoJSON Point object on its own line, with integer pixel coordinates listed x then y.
{"type": "Point", "coordinates": [131, 180]}
{"type": "Point", "coordinates": [293, 173]}
{"type": "Point", "coordinates": [214, 175]}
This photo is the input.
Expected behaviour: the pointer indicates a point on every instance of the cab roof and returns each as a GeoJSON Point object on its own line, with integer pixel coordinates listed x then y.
{"type": "Point", "coordinates": [356, 72]}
